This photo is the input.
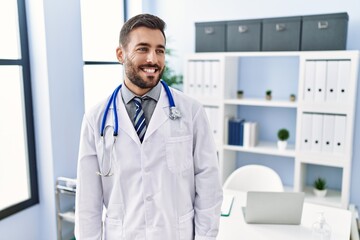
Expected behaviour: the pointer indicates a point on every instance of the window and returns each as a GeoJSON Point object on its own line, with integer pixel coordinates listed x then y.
{"type": "Point", "coordinates": [18, 178]}
{"type": "Point", "coordinates": [101, 24]}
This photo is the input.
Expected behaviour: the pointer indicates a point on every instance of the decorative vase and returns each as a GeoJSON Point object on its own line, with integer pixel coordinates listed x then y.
{"type": "Point", "coordinates": [282, 145]}
{"type": "Point", "coordinates": [320, 193]}
{"type": "Point", "coordinates": [240, 95]}
{"type": "Point", "coordinates": [268, 97]}
{"type": "Point", "coordinates": [292, 98]}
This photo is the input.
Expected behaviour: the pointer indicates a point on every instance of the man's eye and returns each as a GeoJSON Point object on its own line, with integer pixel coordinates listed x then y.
{"type": "Point", "coordinates": [142, 49]}
{"type": "Point", "coordinates": [160, 51]}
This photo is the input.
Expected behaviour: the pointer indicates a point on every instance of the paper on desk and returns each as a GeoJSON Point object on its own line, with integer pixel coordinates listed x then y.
{"type": "Point", "coordinates": [226, 205]}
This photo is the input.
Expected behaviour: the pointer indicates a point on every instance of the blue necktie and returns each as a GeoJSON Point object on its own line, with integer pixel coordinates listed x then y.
{"type": "Point", "coordinates": [139, 119]}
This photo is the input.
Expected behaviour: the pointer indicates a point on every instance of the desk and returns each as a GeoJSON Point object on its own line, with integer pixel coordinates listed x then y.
{"type": "Point", "coordinates": [234, 226]}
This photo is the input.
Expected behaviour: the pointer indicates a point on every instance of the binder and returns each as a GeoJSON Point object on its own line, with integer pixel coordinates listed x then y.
{"type": "Point", "coordinates": [328, 133]}
{"type": "Point", "coordinates": [191, 78]}
{"type": "Point", "coordinates": [339, 134]}
{"type": "Point", "coordinates": [331, 81]}
{"type": "Point", "coordinates": [215, 123]}
{"type": "Point", "coordinates": [309, 83]}
{"type": "Point", "coordinates": [254, 132]}
{"type": "Point", "coordinates": [215, 79]}
{"type": "Point", "coordinates": [316, 136]}
{"type": "Point", "coordinates": [207, 78]}
{"type": "Point", "coordinates": [236, 131]}
{"type": "Point", "coordinates": [199, 78]}
{"type": "Point", "coordinates": [247, 134]}
{"type": "Point", "coordinates": [343, 81]}
{"type": "Point", "coordinates": [306, 129]}
{"type": "Point", "coordinates": [320, 81]}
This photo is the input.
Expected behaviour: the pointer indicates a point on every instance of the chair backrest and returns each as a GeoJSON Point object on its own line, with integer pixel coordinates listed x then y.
{"type": "Point", "coordinates": [254, 178]}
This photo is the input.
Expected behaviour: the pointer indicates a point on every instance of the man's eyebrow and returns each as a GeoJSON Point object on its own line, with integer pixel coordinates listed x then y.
{"type": "Point", "coordinates": [148, 45]}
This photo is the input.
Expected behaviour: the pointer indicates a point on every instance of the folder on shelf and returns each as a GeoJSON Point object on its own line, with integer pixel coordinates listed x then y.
{"type": "Point", "coordinates": [316, 137]}
{"type": "Point", "coordinates": [199, 70]}
{"type": "Point", "coordinates": [309, 81]}
{"type": "Point", "coordinates": [236, 131]}
{"type": "Point", "coordinates": [247, 134]}
{"type": "Point", "coordinates": [343, 81]}
{"type": "Point", "coordinates": [320, 81]}
{"type": "Point", "coordinates": [339, 133]}
{"type": "Point", "coordinates": [306, 128]}
{"type": "Point", "coordinates": [254, 138]}
{"type": "Point", "coordinates": [331, 81]}
{"type": "Point", "coordinates": [191, 78]}
{"type": "Point", "coordinates": [207, 78]}
{"type": "Point", "coordinates": [215, 79]}
{"type": "Point", "coordinates": [328, 133]}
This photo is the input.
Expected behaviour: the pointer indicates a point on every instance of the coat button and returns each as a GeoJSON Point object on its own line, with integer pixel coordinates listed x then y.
{"type": "Point", "coordinates": [148, 199]}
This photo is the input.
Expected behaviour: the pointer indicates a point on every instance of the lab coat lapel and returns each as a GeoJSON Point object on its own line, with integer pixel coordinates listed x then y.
{"type": "Point", "coordinates": [125, 123]}
{"type": "Point", "coordinates": [160, 115]}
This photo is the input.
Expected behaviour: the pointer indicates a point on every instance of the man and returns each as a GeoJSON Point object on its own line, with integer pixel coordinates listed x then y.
{"type": "Point", "coordinates": [160, 180]}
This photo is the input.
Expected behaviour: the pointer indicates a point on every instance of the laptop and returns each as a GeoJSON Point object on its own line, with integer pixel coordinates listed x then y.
{"type": "Point", "coordinates": [274, 207]}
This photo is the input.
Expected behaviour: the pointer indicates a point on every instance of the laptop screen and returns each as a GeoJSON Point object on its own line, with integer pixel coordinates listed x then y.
{"type": "Point", "coordinates": [274, 207]}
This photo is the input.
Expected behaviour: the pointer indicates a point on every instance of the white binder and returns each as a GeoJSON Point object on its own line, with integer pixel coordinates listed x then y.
{"type": "Point", "coordinates": [320, 81]}
{"type": "Point", "coordinates": [254, 134]}
{"type": "Point", "coordinates": [191, 77]}
{"type": "Point", "coordinates": [199, 69]}
{"type": "Point", "coordinates": [328, 133]}
{"type": "Point", "coordinates": [309, 82]}
{"type": "Point", "coordinates": [247, 135]}
{"type": "Point", "coordinates": [339, 134]}
{"type": "Point", "coordinates": [306, 128]}
{"type": "Point", "coordinates": [331, 81]}
{"type": "Point", "coordinates": [207, 78]}
{"type": "Point", "coordinates": [215, 89]}
{"type": "Point", "coordinates": [343, 81]}
{"type": "Point", "coordinates": [316, 136]}
{"type": "Point", "coordinates": [215, 119]}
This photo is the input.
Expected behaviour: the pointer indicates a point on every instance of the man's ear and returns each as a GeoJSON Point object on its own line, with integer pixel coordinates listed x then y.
{"type": "Point", "coordinates": [120, 54]}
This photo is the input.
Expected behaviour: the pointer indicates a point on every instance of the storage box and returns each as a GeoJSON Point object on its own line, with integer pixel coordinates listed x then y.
{"type": "Point", "coordinates": [243, 35]}
{"type": "Point", "coordinates": [324, 32]}
{"type": "Point", "coordinates": [281, 34]}
{"type": "Point", "coordinates": [210, 37]}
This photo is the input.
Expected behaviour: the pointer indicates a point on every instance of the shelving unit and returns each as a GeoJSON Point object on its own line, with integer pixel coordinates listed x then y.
{"type": "Point", "coordinates": [66, 187]}
{"type": "Point", "coordinates": [214, 78]}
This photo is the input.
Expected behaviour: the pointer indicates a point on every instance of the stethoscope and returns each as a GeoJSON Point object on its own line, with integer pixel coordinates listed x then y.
{"type": "Point", "coordinates": [174, 114]}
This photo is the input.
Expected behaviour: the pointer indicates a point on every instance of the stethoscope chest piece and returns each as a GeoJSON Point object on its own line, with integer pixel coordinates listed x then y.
{"type": "Point", "coordinates": [174, 113]}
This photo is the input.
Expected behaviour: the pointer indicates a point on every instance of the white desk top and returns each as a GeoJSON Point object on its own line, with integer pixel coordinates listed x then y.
{"type": "Point", "coordinates": [234, 226]}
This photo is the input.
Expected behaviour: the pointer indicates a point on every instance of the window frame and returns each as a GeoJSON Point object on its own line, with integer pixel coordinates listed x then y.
{"type": "Point", "coordinates": [24, 62]}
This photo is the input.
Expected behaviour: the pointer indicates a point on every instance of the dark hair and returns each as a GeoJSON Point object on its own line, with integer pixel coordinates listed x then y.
{"type": "Point", "coordinates": [141, 20]}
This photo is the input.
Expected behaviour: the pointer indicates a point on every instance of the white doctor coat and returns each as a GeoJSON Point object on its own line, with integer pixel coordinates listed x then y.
{"type": "Point", "coordinates": [167, 188]}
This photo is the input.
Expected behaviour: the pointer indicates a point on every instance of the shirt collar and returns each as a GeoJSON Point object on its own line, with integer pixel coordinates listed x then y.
{"type": "Point", "coordinates": [128, 95]}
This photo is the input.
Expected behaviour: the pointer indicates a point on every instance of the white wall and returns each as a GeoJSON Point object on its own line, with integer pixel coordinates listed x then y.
{"type": "Point", "coordinates": [180, 16]}
{"type": "Point", "coordinates": [56, 72]}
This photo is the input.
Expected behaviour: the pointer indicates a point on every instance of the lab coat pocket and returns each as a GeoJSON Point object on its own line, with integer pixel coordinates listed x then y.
{"type": "Point", "coordinates": [186, 226]}
{"type": "Point", "coordinates": [113, 229]}
{"type": "Point", "coordinates": [179, 153]}
{"type": "Point", "coordinates": [114, 221]}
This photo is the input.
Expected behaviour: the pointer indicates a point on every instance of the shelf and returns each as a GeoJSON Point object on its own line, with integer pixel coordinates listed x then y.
{"type": "Point", "coordinates": [261, 102]}
{"type": "Point", "coordinates": [268, 148]}
{"type": "Point", "coordinates": [68, 216]}
{"type": "Point", "coordinates": [332, 108]}
{"type": "Point", "coordinates": [332, 198]}
{"type": "Point", "coordinates": [325, 159]}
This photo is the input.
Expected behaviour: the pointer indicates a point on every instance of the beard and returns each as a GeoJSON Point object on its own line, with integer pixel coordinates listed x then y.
{"type": "Point", "coordinates": [132, 74]}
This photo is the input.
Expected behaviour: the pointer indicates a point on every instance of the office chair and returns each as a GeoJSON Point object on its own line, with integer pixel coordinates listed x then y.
{"type": "Point", "coordinates": [254, 178]}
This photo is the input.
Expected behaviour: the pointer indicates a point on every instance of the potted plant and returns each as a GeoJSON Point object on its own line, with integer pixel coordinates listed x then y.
{"type": "Point", "coordinates": [283, 136]}
{"type": "Point", "coordinates": [292, 97]}
{"type": "Point", "coordinates": [268, 95]}
{"type": "Point", "coordinates": [320, 187]}
{"type": "Point", "coordinates": [240, 94]}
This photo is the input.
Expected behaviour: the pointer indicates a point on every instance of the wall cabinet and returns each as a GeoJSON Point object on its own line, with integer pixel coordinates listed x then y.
{"type": "Point", "coordinates": [320, 121]}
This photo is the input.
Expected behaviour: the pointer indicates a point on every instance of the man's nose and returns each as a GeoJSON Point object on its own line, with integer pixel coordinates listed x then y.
{"type": "Point", "coordinates": [151, 57]}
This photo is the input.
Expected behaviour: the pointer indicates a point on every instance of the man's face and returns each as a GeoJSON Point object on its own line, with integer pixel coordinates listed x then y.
{"type": "Point", "coordinates": [143, 58]}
